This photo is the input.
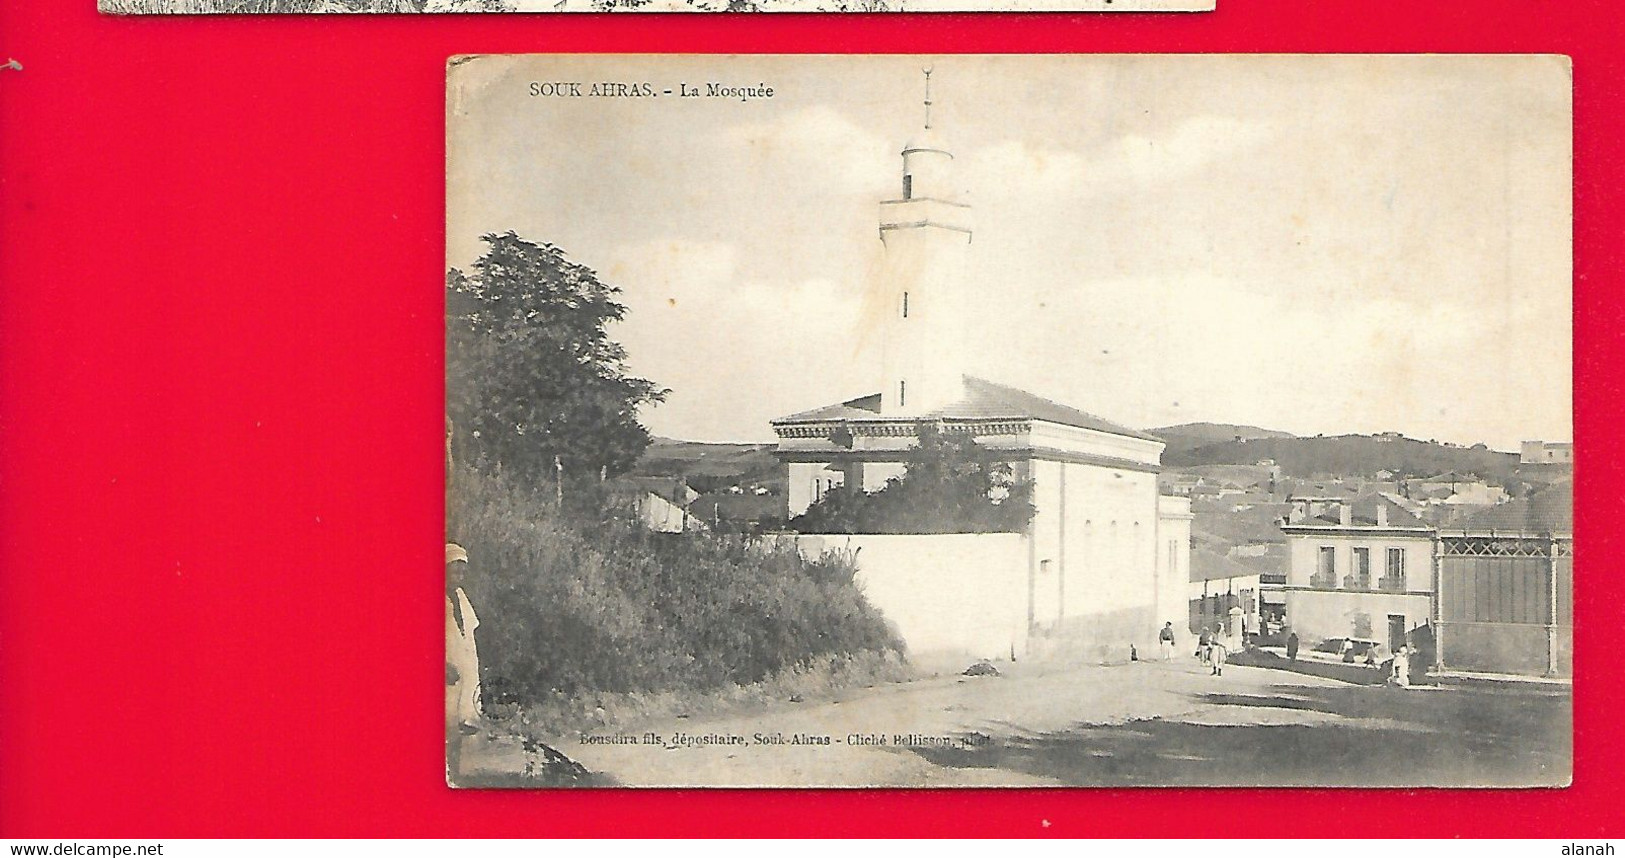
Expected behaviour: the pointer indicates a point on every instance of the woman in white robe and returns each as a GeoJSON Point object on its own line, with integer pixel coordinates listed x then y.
{"type": "Point", "coordinates": [1402, 667]}
{"type": "Point", "coordinates": [461, 651]}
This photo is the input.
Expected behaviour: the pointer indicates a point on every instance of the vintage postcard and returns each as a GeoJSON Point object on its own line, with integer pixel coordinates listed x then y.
{"type": "Point", "coordinates": [203, 7]}
{"type": "Point", "coordinates": [1009, 421]}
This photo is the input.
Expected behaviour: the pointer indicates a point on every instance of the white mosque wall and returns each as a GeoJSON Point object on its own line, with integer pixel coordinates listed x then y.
{"type": "Point", "coordinates": [1094, 549]}
{"type": "Point", "coordinates": [947, 594]}
{"type": "Point", "coordinates": [1173, 559]}
{"type": "Point", "coordinates": [1104, 564]}
{"type": "Point", "coordinates": [927, 263]}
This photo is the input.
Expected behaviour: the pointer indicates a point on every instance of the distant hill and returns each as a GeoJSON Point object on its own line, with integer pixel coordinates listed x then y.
{"type": "Point", "coordinates": [1189, 436]}
{"type": "Point", "coordinates": [1349, 455]}
{"type": "Point", "coordinates": [710, 466]}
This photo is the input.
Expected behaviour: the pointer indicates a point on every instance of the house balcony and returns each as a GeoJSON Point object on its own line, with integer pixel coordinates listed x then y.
{"type": "Point", "coordinates": [1391, 585]}
{"type": "Point", "coordinates": [1323, 581]}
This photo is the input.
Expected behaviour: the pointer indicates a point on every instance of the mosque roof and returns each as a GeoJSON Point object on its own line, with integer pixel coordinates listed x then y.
{"type": "Point", "coordinates": [983, 400]}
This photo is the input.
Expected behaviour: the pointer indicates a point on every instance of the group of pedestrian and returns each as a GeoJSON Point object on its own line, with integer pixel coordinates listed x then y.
{"type": "Point", "coordinates": [1211, 650]}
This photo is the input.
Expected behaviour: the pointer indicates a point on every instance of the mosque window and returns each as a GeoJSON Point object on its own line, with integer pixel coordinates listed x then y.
{"type": "Point", "coordinates": [908, 187]}
{"type": "Point", "coordinates": [905, 305]}
{"type": "Point", "coordinates": [902, 393]}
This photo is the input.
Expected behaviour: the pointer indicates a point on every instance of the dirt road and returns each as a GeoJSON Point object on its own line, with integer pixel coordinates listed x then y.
{"type": "Point", "coordinates": [1138, 723]}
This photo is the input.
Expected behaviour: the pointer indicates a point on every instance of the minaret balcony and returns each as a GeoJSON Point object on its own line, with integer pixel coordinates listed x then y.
{"type": "Point", "coordinates": [925, 211]}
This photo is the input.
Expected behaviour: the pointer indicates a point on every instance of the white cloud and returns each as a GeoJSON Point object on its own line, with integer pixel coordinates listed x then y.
{"type": "Point", "coordinates": [1015, 169]}
{"type": "Point", "coordinates": [735, 350]}
{"type": "Point", "coordinates": [818, 143]}
{"type": "Point", "coordinates": [1192, 145]}
{"type": "Point", "coordinates": [1149, 352]}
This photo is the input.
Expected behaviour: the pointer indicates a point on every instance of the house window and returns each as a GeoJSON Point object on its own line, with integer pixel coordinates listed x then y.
{"type": "Point", "coordinates": [1361, 579]}
{"type": "Point", "coordinates": [1325, 576]}
{"type": "Point", "coordinates": [902, 393]}
{"type": "Point", "coordinates": [1396, 570]}
{"type": "Point", "coordinates": [908, 187]}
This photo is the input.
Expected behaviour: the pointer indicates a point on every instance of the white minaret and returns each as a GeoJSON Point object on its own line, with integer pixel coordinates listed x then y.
{"type": "Point", "coordinates": [927, 234]}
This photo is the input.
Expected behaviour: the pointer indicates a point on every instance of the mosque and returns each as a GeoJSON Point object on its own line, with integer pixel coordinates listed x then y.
{"type": "Point", "coordinates": [1106, 557]}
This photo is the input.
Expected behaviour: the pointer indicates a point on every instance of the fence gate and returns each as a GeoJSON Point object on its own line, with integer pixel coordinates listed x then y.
{"type": "Point", "coordinates": [1505, 603]}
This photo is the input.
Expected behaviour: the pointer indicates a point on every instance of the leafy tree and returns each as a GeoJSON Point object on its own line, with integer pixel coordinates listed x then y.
{"type": "Point", "coordinates": [531, 373]}
{"type": "Point", "coordinates": [949, 485]}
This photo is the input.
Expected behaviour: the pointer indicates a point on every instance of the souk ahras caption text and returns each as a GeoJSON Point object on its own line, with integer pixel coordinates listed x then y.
{"type": "Point", "coordinates": [645, 89]}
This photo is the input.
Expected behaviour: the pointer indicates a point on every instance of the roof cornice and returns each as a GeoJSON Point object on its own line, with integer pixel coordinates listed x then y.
{"type": "Point", "coordinates": [1355, 530]}
{"type": "Point", "coordinates": [895, 427]}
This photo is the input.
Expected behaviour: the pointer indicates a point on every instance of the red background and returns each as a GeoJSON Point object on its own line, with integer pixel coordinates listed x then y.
{"type": "Point", "coordinates": [221, 275]}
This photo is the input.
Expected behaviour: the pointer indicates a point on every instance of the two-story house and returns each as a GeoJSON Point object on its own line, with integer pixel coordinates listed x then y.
{"type": "Point", "coordinates": [1360, 567]}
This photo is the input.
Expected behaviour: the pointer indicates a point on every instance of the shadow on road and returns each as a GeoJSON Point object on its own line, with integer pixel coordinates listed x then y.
{"type": "Point", "coordinates": [1357, 736]}
{"type": "Point", "coordinates": [1359, 674]}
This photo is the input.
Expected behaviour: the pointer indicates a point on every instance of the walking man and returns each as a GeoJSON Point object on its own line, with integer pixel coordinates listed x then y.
{"type": "Point", "coordinates": [1204, 644]}
{"type": "Point", "coordinates": [1217, 653]}
{"type": "Point", "coordinates": [1165, 639]}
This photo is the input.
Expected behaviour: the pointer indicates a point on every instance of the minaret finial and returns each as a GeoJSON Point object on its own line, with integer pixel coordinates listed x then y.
{"type": "Point", "coordinates": [927, 71]}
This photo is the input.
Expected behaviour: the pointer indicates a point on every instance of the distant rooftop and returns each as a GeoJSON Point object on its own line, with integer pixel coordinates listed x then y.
{"type": "Point", "coordinates": [1209, 565]}
{"type": "Point", "coordinates": [1363, 514]}
{"type": "Point", "coordinates": [1450, 477]}
{"type": "Point", "coordinates": [1550, 510]}
{"type": "Point", "coordinates": [670, 488]}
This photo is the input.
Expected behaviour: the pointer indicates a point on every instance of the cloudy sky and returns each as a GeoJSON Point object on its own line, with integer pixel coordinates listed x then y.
{"type": "Point", "coordinates": [1314, 244]}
